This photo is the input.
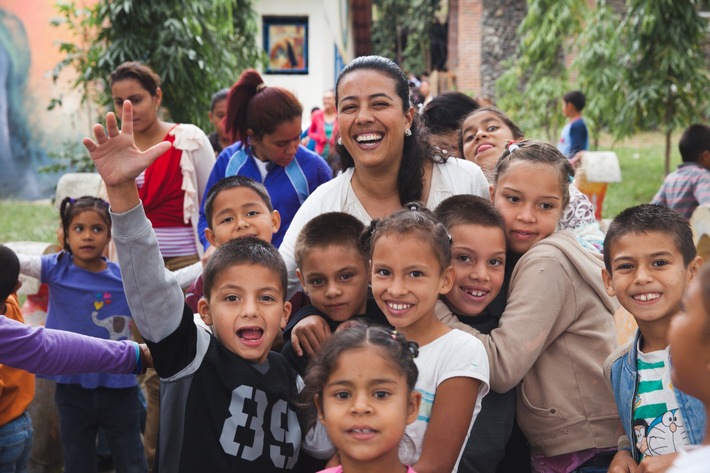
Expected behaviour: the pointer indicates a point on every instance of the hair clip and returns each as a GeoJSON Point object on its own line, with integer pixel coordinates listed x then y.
{"type": "Point", "coordinates": [260, 86]}
{"type": "Point", "coordinates": [72, 200]}
{"type": "Point", "coordinates": [451, 240]}
{"type": "Point", "coordinates": [413, 348]}
{"type": "Point", "coordinates": [414, 206]}
{"type": "Point", "coordinates": [394, 335]}
{"type": "Point", "coordinates": [512, 146]}
{"type": "Point", "coordinates": [571, 178]}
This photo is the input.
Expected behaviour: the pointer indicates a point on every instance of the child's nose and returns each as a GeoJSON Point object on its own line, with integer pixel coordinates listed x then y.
{"type": "Point", "coordinates": [479, 272]}
{"type": "Point", "coordinates": [397, 288]}
{"type": "Point", "coordinates": [332, 290]}
{"type": "Point", "coordinates": [361, 404]}
{"type": "Point", "coordinates": [527, 214]}
{"type": "Point", "coordinates": [643, 275]}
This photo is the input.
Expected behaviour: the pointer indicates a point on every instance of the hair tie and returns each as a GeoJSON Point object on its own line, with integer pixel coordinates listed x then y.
{"type": "Point", "coordinates": [414, 207]}
{"type": "Point", "coordinates": [512, 146]}
{"type": "Point", "coordinates": [394, 335]}
{"type": "Point", "coordinates": [261, 86]}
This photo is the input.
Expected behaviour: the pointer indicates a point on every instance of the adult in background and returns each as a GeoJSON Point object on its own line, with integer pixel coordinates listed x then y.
{"type": "Point", "coordinates": [324, 126]}
{"type": "Point", "coordinates": [171, 187]}
{"type": "Point", "coordinates": [219, 138]}
{"type": "Point", "coordinates": [266, 121]}
{"type": "Point", "coordinates": [386, 163]}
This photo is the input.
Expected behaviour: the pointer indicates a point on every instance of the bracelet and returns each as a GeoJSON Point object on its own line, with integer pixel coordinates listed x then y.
{"type": "Point", "coordinates": [139, 362]}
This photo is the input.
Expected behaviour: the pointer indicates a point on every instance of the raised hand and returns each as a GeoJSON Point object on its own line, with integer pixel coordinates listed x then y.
{"type": "Point", "coordinates": [115, 154]}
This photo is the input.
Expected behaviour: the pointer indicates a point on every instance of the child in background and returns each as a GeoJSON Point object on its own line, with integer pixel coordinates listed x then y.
{"type": "Point", "coordinates": [219, 138]}
{"type": "Point", "coordinates": [45, 351]}
{"type": "Point", "coordinates": [362, 385]}
{"type": "Point", "coordinates": [557, 328]}
{"type": "Point", "coordinates": [411, 268]}
{"type": "Point", "coordinates": [475, 303]}
{"type": "Point", "coordinates": [333, 269]}
{"type": "Point", "coordinates": [485, 134]}
{"type": "Point", "coordinates": [86, 296]}
{"type": "Point", "coordinates": [574, 136]}
{"type": "Point", "coordinates": [220, 392]}
{"type": "Point", "coordinates": [235, 207]}
{"type": "Point", "coordinates": [689, 186]}
{"type": "Point", "coordinates": [689, 337]}
{"type": "Point", "coordinates": [650, 259]}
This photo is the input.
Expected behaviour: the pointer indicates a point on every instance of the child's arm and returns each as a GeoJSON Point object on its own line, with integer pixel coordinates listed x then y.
{"type": "Point", "coordinates": [30, 265]}
{"type": "Point", "coordinates": [450, 422]}
{"type": "Point", "coordinates": [54, 352]}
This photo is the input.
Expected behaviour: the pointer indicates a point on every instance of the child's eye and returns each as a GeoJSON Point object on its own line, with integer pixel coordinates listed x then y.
{"type": "Point", "coordinates": [267, 298]}
{"type": "Point", "coordinates": [346, 276]}
{"type": "Point", "coordinates": [464, 259]}
{"type": "Point", "coordinates": [491, 128]}
{"type": "Point", "coordinates": [623, 267]}
{"type": "Point", "coordinates": [227, 220]}
{"type": "Point", "coordinates": [381, 394]}
{"type": "Point", "coordinates": [513, 199]}
{"type": "Point", "coordinates": [231, 298]}
{"type": "Point", "coordinates": [316, 282]}
{"type": "Point", "coordinates": [383, 272]}
{"type": "Point", "coordinates": [98, 229]}
{"type": "Point", "coordinates": [416, 274]}
{"type": "Point", "coordinates": [496, 262]}
{"type": "Point", "coordinates": [79, 228]}
{"type": "Point", "coordinates": [252, 213]}
{"type": "Point", "coordinates": [341, 395]}
{"type": "Point", "coordinates": [468, 138]}
{"type": "Point", "coordinates": [546, 206]}
{"type": "Point", "coordinates": [659, 263]}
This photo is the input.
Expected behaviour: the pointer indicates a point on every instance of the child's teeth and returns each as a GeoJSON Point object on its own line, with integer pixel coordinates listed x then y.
{"type": "Point", "coordinates": [647, 297]}
{"type": "Point", "coordinates": [400, 306]}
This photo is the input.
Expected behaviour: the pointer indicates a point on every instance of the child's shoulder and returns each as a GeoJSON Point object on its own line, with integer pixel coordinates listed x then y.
{"type": "Point", "coordinates": [618, 353]}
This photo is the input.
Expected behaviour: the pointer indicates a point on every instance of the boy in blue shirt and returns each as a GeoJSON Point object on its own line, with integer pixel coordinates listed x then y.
{"type": "Point", "coordinates": [574, 137]}
{"type": "Point", "coordinates": [650, 259]}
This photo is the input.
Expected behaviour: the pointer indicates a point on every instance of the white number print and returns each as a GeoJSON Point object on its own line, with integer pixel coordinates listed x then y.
{"type": "Point", "coordinates": [286, 439]}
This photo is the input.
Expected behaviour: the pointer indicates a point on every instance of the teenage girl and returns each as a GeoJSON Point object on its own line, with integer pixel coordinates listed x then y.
{"type": "Point", "coordinates": [486, 132]}
{"type": "Point", "coordinates": [411, 268]}
{"type": "Point", "coordinates": [689, 337]}
{"type": "Point", "coordinates": [557, 328]}
{"type": "Point", "coordinates": [362, 385]}
{"type": "Point", "coordinates": [86, 296]}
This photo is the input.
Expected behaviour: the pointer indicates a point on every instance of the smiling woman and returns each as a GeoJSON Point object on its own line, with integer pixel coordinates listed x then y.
{"type": "Point", "coordinates": [384, 157]}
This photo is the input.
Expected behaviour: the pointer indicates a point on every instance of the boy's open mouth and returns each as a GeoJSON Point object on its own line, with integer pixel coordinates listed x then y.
{"type": "Point", "coordinates": [250, 333]}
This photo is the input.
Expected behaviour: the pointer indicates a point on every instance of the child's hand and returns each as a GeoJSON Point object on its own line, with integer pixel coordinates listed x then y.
{"type": "Point", "coordinates": [623, 462]}
{"type": "Point", "coordinates": [309, 334]}
{"type": "Point", "coordinates": [656, 464]}
{"type": "Point", "coordinates": [115, 154]}
{"type": "Point", "coordinates": [146, 357]}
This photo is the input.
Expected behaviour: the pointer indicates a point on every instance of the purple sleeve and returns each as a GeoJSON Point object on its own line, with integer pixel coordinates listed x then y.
{"type": "Point", "coordinates": [54, 352]}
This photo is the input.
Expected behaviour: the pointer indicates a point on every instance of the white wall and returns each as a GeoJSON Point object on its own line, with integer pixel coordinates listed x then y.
{"type": "Point", "coordinates": [325, 18]}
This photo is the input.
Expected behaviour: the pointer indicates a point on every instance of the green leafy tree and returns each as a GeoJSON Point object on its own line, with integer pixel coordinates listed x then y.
{"type": "Point", "coordinates": [196, 46]}
{"type": "Point", "coordinates": [401, 31]}
{"type": "Point", "coordinates": [531, 87]}
{"type": "Point", "coordinates": [665, 77]}
{"type": "Point", "coordinates": [597, 63]}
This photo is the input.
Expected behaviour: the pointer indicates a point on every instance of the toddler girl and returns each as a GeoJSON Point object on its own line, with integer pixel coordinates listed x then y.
{"type": "Point", "coordinates": [411, 268]}
{"type": "Point", "coordinates": [86, 296]}
{"type": "Point", "coordinates": [689, 338]}
{"type": "Point", "coordinates": [557, 328]}
{"type": "Point", "coordinates": [486, 132]}
{"type": "Point", "coordinates": [362, 384]}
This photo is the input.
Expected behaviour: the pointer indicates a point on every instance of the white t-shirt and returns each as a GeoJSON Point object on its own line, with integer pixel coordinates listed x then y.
{"type": "Point", "coordinates": [692, 459]}
{"type": "Point", "coordinates": [456, 354]}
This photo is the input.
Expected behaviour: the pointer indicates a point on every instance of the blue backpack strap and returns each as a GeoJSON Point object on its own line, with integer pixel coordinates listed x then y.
{"type": "Point", "coordinates": [298, 180]}
{"type": "Point", "coordinates": [236, 162]}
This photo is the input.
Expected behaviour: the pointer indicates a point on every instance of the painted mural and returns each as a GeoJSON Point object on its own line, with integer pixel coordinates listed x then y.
{"type": "Point", "coordinates": [29, 132]}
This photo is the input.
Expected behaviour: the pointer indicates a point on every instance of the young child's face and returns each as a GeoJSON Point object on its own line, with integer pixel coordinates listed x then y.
{"type": "Point", "coordinates": [688, 337]}
{"type": "Point", "coordinates": [216, 117]}
{"type": "Point", "coordinates": [648, 275]}
{"type": "Point", "coordinates": [529, 197]}
{"type": "Point", "coordinates": [246, 309]}
{"type": "Point", "coordinates": [335, 278]}
{"type": "Point", "coordinates": [407, 281]}
{"type": "Point", "coordinates": [87, 237]}
{"type": "Point", "coordinates": [479, 268]}
{"type": "Point", "coordinates": [365, 407]}
{"type": "Point", "coordinates": [240, 212]}
{"type": "Point", "coordinates": [484, 138]}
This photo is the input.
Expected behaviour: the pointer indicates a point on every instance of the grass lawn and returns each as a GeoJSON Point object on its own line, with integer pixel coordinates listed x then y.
{"type": "Point", "coordinates": [28, 221]}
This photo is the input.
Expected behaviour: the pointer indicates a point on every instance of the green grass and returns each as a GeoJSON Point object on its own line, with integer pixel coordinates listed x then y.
{"type": "Point", "coordinates": [642, 161]}
{"type": "Point", "coordinates": [28, 221]}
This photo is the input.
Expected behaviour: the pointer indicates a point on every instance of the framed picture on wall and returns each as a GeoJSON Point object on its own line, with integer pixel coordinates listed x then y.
{"type": "Point", "coordinates": [286, 43]}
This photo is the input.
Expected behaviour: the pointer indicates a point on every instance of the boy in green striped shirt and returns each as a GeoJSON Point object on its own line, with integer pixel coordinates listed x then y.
{"type": "Point", "coordinates": [650, 259]}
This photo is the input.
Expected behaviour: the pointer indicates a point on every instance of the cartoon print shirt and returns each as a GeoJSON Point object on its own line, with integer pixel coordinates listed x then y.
{"type": "Point", "coordinates": [89, 303]}
{"type": "Point", "coordinates": [657, 422]}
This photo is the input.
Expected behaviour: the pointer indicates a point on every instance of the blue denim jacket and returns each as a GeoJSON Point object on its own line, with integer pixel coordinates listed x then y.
{"type": "Point", "coordinates": [621, 369]}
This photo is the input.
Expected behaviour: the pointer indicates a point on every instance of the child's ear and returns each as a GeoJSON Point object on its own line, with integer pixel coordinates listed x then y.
{"type": "Point", "coordinates": [275, 221]}
{"type": "Point", "coordinates": [18, 285]}
{"type": "Point", "coordinates": [492, 191]}
{"type": "Point", "coordinates": [415, 399]}
{"type": "Point", "coordinates": [694, 266]}
{"type": "Point", "coordinates": [447, 280]}
{"type": "Point", "coordinates": [608, 283]}
{"type": "Point", "coordinates": [300, 277]}
{"type": "Point", "coordinates": [319, 407]}
{"type": "Point", "coordinates": [286, 314]}
{"type": "Point", "coordinates": [209, 234]}
{"type": "Point", "coordinates": [203, 307]}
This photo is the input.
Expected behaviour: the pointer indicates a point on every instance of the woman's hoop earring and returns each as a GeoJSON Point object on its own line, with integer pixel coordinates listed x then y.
{"type": "Point", "coordinates": [408, 132]}
{"type": "Point", "coordinates": [340, 141]}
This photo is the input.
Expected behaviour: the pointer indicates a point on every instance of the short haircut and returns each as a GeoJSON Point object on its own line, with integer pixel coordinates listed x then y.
{"type": "Point", "coordinates": [232, 182]}
{"type": "Point", "coordinates": [467, 209]}
{"type": "Point", "coordinates": [443, 114]}
{"type": "Point", "coordinates": [695, 140]}
{"type": "Point", "coordinates": [10, 273]}
{"type": "Point", "coordinates": [576, 98]}
{"type": "Point", "coordinates": [646, 218]}
{"type": "Point", "coordinates": [217, 97]}
{"type": "Point", "coordinates": [247, 251]}
{"type": "Point", "coordinates": [331, 228]}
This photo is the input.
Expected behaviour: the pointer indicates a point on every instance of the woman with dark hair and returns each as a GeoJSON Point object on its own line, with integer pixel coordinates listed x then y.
{"type": "Point", "coordinates": [171, 187]}
{"type": "Point", "coordinates": [386, 163]}
{"type": "Point", "coordinates": [266, 121]}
